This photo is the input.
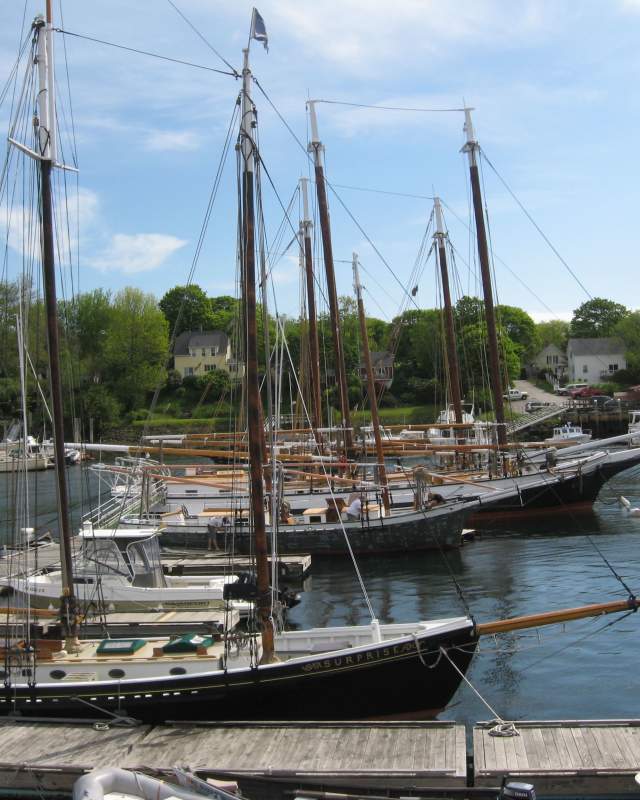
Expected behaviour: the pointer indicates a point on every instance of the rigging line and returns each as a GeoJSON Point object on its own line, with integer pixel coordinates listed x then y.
{"type": "Point", "coordinates": [146, 53]}
{"type": "Point", "coordinates": [536, 226]}
{"type": "Point", "coordinates": [382, 191]}
{"type": "Point", "coordinates": [497, 258]}
{"type": "Point", "coordinates": [330, 185]}
{"type": "Point", "coordinates": [391, 108]}
{"type": "Point", "coordinates": [14, 68]}
{"type": "Point", "coordinates": [66, 67]}
{"type": "Point", "coordinates": [322, 465]}
{"type": "Point", "coordinates": [200, 36]}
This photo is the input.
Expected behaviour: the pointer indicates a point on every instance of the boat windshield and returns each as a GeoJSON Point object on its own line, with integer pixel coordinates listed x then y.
{"type": "Point", "coordinates": [102, 557]}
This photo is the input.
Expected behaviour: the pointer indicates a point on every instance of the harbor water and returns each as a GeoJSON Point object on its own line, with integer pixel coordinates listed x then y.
{"type": "Point", "coordinates": [584, 669]}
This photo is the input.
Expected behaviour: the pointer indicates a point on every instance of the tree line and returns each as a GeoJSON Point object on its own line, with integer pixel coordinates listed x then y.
{"type": "Point", "coordinates": [117, 349]}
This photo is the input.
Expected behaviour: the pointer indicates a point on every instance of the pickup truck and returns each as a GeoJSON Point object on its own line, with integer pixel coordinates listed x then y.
{"type": "Point", "coordinates": [515, 394]}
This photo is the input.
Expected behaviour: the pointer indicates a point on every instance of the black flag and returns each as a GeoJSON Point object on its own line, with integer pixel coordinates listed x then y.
{"type": "Point", "coordinates": [258, 29]}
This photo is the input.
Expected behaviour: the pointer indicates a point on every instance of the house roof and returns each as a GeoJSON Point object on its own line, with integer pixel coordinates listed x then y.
{"type": "Point", "coordinates": [189, 339]}
{"type": "Point", "coordinates": [382, 358]}
{"type": "Point", "coordinates": [596, 347]}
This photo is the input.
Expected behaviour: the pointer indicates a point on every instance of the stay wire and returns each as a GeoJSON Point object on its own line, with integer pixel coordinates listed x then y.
{"type": "Point", "coordinates": [393, 108]}
{"type": "Point", "coordinates": [536, 226]}
{"type": "Point", "coordinates": [233, 74]}
{"type": "Point", "coordinates": [202, 38]}
{"type": "Point", "coordinates": [330, 185]}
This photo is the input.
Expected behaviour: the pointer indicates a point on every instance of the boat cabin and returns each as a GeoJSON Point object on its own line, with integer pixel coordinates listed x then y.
{"type": "Point", "coordinates": [132, 554]}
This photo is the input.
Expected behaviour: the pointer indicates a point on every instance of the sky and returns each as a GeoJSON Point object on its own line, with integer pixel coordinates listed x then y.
{"type": "Point", "coordinates": [553, 84]}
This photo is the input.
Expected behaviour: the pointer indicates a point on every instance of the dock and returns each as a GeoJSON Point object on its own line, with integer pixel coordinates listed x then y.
{"type": "Point", "coordinates": [176, 562]}
{"type": "Point", "coordinates": [291, 568]}
{"type": "Point", "coordinates": [274, 760]}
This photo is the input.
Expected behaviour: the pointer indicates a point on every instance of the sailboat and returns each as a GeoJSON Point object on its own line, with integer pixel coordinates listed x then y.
{"type": "Point", "coordinates": [196, 677]}
{"type": "Point", "coordinates": [346, 672]}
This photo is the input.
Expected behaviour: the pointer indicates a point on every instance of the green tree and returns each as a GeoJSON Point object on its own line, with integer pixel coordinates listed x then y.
{"type": "Point", "coordinates": [628, 329]}
{"type": "Point", "coordinates": [555, 331]}
{"type": "Point", "coordinates": [521, 329]}
{"type": "Point", "coordinates": [225, 311]}
{"type": "Point", "coordinates": [136, 347]}
{"type": "Point", "coordinates": [597, 317]}
{"type": "Point", "coordinates": [468, 311]}
{"type": "Point", "coordinates": [187, 308]}
{"type": "Point", "coordinates": [88, 320]}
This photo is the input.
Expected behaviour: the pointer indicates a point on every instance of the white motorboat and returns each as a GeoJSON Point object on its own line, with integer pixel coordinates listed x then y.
{"type": "Point", "coordinates": [569, 434]}
{"type": "Point", "coordinates": [121, 570]}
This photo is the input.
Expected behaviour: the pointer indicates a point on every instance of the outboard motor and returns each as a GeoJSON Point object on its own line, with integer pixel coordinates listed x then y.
{"type": "Point", "coordinates": [246, 588]}
{"type": "Point", "coordinates": [512, 790]}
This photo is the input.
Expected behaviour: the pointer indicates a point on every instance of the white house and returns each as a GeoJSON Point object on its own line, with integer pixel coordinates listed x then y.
{"type": "Point", "coordinates": [552, 361]}
{"type": "Point", "coordinates": [595, 360]}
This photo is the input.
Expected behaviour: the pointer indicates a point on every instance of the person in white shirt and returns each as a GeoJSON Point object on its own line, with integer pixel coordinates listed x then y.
{"type": "Point", "coordinates": [355, 509]}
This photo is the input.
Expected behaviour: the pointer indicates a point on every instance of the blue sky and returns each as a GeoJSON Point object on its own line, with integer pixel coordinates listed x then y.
{"type": "Point", "coordinates": [553, 82]}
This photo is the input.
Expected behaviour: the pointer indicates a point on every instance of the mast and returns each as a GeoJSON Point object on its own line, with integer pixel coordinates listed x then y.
{"type": "Point", "coordinates": [315, 147]}
{"type": "Point", "coordinates": [371, 388]}
{"type": "Point", "coordinates": [450, 336]}
{"type": "Point", "coordinates": [46, 128]}
{"type": "Point", "coordinates": [247, 146]}
{"type": "Point", "coordinates": [471, 148]}
{"type": "Point", "coordinates": [314, 349]}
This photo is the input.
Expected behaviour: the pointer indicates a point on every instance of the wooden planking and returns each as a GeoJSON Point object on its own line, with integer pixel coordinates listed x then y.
{"type": "Point", "coordinates": [564, 757]}
{"type": "Point", "coordinates": [394, 753]}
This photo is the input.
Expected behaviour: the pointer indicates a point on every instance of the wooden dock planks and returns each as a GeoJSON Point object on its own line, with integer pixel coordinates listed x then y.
{"type": "Point", "coordinates": [374, 754]}
{"type": "Point", "coordinates": [563, 757]}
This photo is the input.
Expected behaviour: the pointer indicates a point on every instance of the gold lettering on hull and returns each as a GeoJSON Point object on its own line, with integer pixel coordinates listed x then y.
{"type": "Point", "coordinates": [386, 653]}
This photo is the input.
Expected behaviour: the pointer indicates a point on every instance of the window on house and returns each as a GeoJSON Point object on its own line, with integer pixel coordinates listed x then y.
{"type": "Point", "coordinates": [188, 370]}
{"type": "Point", "coordinates": [209, 367]}
{"type": "Point", "coordinates": [613, 367]}
{"type": "Point", "coordinates": [204, 351]}
{"type": "Point", "coordinates": [214, 350]}
{"type": "Point", "coordinates": [585, 369]}
{"type": "Point", "coordinates": [192, 352]}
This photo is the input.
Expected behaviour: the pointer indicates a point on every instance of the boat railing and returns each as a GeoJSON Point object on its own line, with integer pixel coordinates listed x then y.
{"type": "Point", "coordinates": [113, 509]}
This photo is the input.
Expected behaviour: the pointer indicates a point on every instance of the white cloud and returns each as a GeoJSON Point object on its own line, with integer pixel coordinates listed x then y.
{"type": "Point", "coordinates": [140, 252]}
{"type": "Point", "coordinates": [548, 316]}
{"type": "Point", "coordinates": [163, 141]}
{"type": "Point", "coordinates": [358, 34]}
{"type": "Point", "coordinates": [630, 5]}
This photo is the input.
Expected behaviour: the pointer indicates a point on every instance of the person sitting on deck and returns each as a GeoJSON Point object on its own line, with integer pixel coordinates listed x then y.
{"type": "Point", "coordinates": [354, 509]}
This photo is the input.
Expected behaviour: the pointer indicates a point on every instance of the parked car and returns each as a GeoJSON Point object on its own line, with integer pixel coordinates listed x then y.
{"type": "Point", "coordinates": [535, 405]}
{"type": "Point", "coordinates": [570, 387]}
{"type": "Point", "coordinates": [586, 391]}
{"type": "Point", "coordinates": [515, 394]}
{"type": "Point", "coordinates": [616, 404]}
{"type": "Point", "coordinates": [599, 400]}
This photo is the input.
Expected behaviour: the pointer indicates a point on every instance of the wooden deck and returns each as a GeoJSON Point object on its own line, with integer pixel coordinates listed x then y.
{"type": "Point", "coordinates": [565, 758]}
{"type": "Point", "coordinates": [271, 760]}
{"type": "Point", "coordinates": [384, 755]}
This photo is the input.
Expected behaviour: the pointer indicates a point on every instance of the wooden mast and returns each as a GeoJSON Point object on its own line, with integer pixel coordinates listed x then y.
{"type": "Point", "coordinates": [471, 148]}
{"type": "Point", "coordinates": [450, 336]}
{"type": "Point", "coordinates": [247, 147]}
{"type": "Point", "coordinates": [314, 349]}
{"type": "Point", "coordinates": [371, 388]}
{"type": "Point", "coordinates": [47, 147]}
{"type": "Point", "coordinates": [315, 147]}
